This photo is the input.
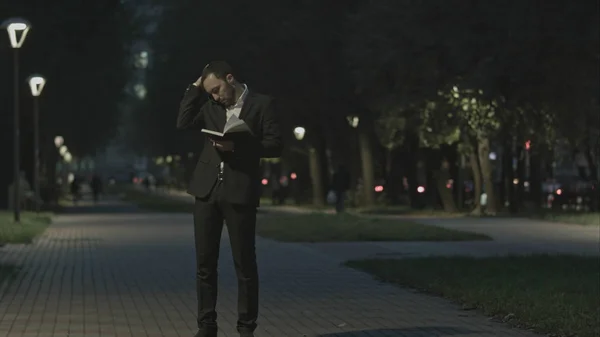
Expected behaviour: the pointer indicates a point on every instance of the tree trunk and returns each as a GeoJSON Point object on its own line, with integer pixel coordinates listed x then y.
{"type": "Point", "coordinates": [592, 165]}
{"type": "Point", "coordinates": [521, 195]}
{"type": "Point", "coordinates": [388, 162]}
{"type": "Point", "coordinates": [393, 182]}
{"type": "Point", "coordinates": [483, 149]}
{"type": "Point", "coordinates": [591, 146]}
{"type": "Point", "coordinates": [535, 179]}
{"type": "Point", "coordinates": [508, 174]}
{"type": "Point", "coordinates": [367, 167]}
{"type": "Point", "coordinates": [317, 182]}
{"type": "Point", "coordinates": [319, 145]}
{"type": "Point", "coordinates": [412, 157]}
{"type": "Point", "coordinates": [441, 179]}
{"type": "Point", "coordinates": [476, 181]}
{"type": "Point", "coordinates": [460, 182]}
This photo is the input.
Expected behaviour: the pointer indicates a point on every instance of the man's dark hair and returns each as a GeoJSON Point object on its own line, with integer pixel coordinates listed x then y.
{"type": "Point", "coordinates": [218, 68]}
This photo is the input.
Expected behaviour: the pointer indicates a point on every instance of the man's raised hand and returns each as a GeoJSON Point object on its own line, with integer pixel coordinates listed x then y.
{"type": "Point", "coordinates": [198, 82]}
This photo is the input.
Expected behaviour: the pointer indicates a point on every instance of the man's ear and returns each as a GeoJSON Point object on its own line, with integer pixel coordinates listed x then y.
{"type": "Point", "coordinates": [230, 78]}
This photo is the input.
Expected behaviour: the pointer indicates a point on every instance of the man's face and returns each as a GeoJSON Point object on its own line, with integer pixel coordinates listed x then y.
{"type": "Point", "coordinates": [221, 90]}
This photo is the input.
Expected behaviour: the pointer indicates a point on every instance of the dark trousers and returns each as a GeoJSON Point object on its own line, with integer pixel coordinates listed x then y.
{"type": "Point", "coordinates": [209, 215]}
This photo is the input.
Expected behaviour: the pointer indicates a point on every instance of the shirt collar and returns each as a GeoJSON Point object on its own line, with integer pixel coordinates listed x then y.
{"type": "Point", "coordinates": [241, 99]}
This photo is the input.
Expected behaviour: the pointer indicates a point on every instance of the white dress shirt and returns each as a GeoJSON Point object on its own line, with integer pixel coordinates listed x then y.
{"type": "Point", "coordinates": [235, 110]}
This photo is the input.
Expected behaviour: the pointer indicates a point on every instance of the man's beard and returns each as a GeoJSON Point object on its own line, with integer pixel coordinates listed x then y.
{"type": "Point", "coordinates": [231, 97]}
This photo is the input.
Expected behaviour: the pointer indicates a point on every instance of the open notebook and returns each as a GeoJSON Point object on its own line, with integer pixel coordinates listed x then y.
{"type": "Point", "coordinates": [233, 125]}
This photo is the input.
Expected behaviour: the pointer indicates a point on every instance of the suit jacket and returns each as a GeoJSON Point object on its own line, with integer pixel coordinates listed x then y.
{"type": "Point", "coordinates": [241, 175]}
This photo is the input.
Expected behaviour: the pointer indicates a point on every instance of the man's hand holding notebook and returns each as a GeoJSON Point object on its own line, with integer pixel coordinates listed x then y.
{"type": "Point", "coordinates": [234, 125]}
{"type": "Point", "coordinates": [222, 140]}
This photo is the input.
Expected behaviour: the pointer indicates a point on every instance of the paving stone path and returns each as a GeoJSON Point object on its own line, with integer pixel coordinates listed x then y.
{"type": "Point", "coordinates": [132, 274]}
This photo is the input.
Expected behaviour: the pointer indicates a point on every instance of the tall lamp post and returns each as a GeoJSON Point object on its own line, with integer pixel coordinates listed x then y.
{"type": "Point", "coordinates": [36, 84]}
{"type": "Point", "coordinates": [315, 169]}
{"type": "Point", "coordinates": [17, 32]}
{"type": "Point", "coordinates": [366, 159]}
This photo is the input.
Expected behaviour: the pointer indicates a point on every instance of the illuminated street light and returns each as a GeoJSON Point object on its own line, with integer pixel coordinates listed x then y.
{"type": "Point", "coordinates": [140, 90]}
{"type": "Point", "coordinates": [299, 133]}
{"type": "Point", "coordinates": [353, 121]}
{"type": "Point", "coordinates": [63, 150]}
{"type": "Point", "coordinates": [59, 141]}
{"type": "Point", "coordinates": [17, 29]}
{"type": "Point", "coordinates": [17, 32]}
{"type": "Point", "coordinates": [68, 157]}
{"type": "Point", "coordinates": [36, 84]}
{"type": "Point", "coordinates": [141, 60]}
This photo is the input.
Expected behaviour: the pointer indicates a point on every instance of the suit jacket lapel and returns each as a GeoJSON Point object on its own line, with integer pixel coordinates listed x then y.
{"type": "Point", "coordinates": [220, 114]}
{"type": "Point", "coordinates": [220, 117]}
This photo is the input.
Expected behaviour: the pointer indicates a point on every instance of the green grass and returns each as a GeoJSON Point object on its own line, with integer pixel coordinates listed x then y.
{"type": "Point", "coordinates": [319, 227]}
{"type": "Point", "coordinates": [156, 202]}
{"type": "Point", "coordinates": [571, 217]}
{"type": "Point", "coordinates": [407, 211]}
{"type": "Point", "coordinates": [555, 295]}
{"type": "Point", "coordinates": [31, 226]}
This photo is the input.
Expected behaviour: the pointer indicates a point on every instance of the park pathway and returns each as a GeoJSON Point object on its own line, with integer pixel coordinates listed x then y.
{"type": "Point", "coordinates": [125, 274]}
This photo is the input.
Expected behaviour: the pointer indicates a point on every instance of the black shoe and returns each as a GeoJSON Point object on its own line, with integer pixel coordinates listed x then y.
{"type": "Point", "coordinates": [207, 333]}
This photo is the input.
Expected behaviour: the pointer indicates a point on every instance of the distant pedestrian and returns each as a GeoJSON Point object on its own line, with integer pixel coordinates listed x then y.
{"type": "Point", "coordinates": [340, 183]}
{"type": "Point", "coordinates": [75, 189]}
{"type": "Point", "coordinates": [96, 186]}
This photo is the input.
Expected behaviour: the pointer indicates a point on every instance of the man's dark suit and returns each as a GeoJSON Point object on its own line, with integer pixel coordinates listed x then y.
{"type": "Point", "coordinates": [232, 196]}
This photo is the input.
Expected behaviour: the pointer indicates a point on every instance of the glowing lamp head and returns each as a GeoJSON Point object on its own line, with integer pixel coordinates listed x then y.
{"type": "Point", "coordinates": [17, 29]}
{"type": "Point", "coordinates": [59, 141]}
{"type": "Point", "coordinates": [68, 157]}
{"type": "Point", "coordinates": [299, 132]}
{"type": "Point", "coordinates": [63, 150]}
{"type": "Point", "coordinates": [264, 182]}
{"type": "Point", "coordinates": [421, 189]}
{"type": "Point", "coordinates": [353, 121]}
{"type": "Point", "coordinates": [36, 84]}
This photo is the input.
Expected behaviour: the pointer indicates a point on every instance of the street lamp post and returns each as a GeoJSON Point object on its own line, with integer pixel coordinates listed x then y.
{"type": "Point", "coordinates": [17, 32]}
{"type": "Point", "coordinates": [366, 158]}
{"type": "Point", "coordinates": [36, 84]}
{"type": "Point", "coordinates": [315, 169]}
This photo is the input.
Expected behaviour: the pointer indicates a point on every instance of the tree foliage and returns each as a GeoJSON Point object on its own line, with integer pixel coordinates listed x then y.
{"type": "Point", "coordinates": [539, 57]}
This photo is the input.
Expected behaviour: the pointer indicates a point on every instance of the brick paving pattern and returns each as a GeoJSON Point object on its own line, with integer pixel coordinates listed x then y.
{"type": "Point", "coordinates": [133, 275]}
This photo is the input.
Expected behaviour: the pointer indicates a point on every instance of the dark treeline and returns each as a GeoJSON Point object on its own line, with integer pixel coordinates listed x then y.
{"type": "Point", "coordinates": [430, 81]}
